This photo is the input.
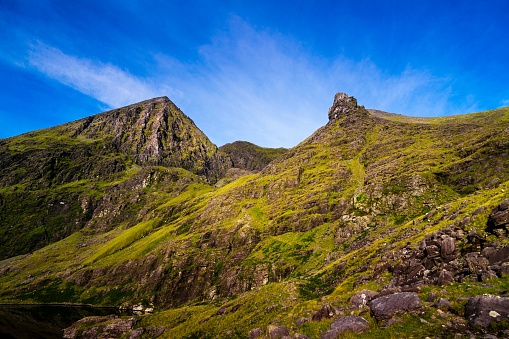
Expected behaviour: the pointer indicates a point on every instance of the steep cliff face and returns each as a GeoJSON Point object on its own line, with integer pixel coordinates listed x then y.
{"type": "Point", "coordinates": [154, 133]}
{"type": "Point", "coordinates": [56, 181]}
{"type": "Point", "coordinates": [151, 133]}
{"type": "Point", "coordinates": [371, 201]}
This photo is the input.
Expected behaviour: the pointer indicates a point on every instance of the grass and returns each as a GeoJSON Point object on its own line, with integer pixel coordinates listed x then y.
{"type": "Point", "coordinates": [316, 222]}
{"type": "Point", "coordinates": [122, 240]}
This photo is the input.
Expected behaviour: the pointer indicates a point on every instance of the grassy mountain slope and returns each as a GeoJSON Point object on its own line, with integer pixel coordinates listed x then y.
{"type": "Point", "coordinates": [345, 210]}
{"type": "Point", "coordinates": [94, 171]}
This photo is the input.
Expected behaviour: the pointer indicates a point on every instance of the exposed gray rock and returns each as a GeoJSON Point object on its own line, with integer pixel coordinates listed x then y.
{"type": "Point", "coordinates": [432, 296]}
{"type": "Point", "coordinates": [327, 311]}
{"type": "Point", "coordinates": [442, 304]}
{"type": "Point", "coordinates": [300, 336]}
{"type": "Point", "coordinates": [384, 308]}
{"type": "Point", "coordinates": [447, 247]}
{"type": "Point", "coordinates": [362, 298]}
{"type": "Point", "coordinates": [255, 333]}
{"type": "Point", "coordinates": [351, 323]}
{"type": "Point", "coordinates": [503, 269]}
{"type": "Point", "coordinates": [330, 334]}
{"type": "Point", "coordinates": [155, 331]}
{"type": "Point", "coordinates": [498, 220]}
{"type": "Point", "coordinates": [483, 310]}
{"type": "Point", "coordinates": [488, 275]}
{"type": "Point", "coordinates": [393, 321]}
{"type": "Point", "coordinates": [120, 326]}
{"type": "Point", "coordinates": [301, 321]}
{"type": "Point", "coordinates": [344, 105]}
{"type": "Point", "coordinates": [476, 263]}
{"type": "Point", "coordinates": [496, 255]}
{"type": "Point", "coordinates": [277, 331]}
{"type": "Point", "coordinates": [137, 333]}
{"type": "Point", "coordinates": [445, 277]}
{"type": "Point", "coordinates": [432, 251]}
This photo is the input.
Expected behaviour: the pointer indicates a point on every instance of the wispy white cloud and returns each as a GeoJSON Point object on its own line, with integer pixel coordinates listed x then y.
{"type": "Point", "coordinates": [104, 82]}
{"type": "Point", "coordinates": [255, 85]}
{"type": "Point", "coordinates": [263, 87]}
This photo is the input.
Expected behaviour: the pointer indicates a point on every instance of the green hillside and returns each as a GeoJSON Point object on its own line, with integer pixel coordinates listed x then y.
{"type": "Point", "coordinates": [109, 217]}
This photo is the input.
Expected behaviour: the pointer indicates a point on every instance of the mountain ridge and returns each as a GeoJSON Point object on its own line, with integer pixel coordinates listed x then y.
{"type": "Point", "coordinates": [364, 203]}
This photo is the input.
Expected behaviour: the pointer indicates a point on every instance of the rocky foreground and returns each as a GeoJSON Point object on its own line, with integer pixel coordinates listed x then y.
{"type": "Point", "coordinates": [439, 260]}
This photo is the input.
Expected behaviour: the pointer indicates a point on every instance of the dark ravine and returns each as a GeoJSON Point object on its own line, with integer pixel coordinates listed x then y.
{"type": "Point", "coordinates": [379, 224]}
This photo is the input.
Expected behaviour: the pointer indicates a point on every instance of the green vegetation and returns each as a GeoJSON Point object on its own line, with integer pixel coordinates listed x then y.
{"type": "Point", "coordinates": [104, 218]}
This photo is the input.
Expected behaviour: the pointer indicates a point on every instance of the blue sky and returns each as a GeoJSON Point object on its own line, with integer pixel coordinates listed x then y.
{"type": "Point", "coordinates": [261, 71]}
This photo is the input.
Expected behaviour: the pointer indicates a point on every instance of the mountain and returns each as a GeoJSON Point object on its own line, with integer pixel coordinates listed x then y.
{"type": "Point", "coordinates": [245, 155]}
{"type": "Point", "coordinates": [56, 181]}
{"type": "Point", "coordinates": [369, 222]}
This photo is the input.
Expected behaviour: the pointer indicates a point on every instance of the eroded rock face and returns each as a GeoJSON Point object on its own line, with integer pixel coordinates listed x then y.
{"type": "Point", "coordinates": [384, 308]}
{"type": "Point", "coordinates": [486, 309]}
{"type": "Point", "coordinates": [344, 105]}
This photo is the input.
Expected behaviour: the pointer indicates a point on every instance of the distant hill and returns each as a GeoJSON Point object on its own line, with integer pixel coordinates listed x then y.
{"type": "Point", "coordinates": [248, 156]}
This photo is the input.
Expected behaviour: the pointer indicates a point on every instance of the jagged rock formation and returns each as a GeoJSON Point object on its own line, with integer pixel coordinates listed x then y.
{"type": "Point", "coordinates": [345, 106]}
{"type": "Point", "coordinates": [371, 208]}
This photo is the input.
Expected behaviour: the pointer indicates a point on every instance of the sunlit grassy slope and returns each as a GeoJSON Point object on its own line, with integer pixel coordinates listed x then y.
{"type": "Point", "coordinates": [313, 227]}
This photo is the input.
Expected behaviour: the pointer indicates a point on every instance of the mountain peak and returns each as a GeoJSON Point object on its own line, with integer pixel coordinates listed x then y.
{"type": "Point", "coordinates": [345, 105]}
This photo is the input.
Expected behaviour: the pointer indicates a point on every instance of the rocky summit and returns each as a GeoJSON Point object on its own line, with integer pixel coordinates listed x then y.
{"type": "Point", "coordinates": [377, 225]}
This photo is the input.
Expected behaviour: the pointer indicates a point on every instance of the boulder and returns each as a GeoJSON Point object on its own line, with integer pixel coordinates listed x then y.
{"type": "Point", "coordinates": [111, 326]}
{"type": "Point", "coordinates": [499, 217]}
{"type": "Point", "coordinates": [352, 323]}
{"type": "Point", "coordinates": [155, 331]}
{"type": "Point", "coordinates": [277, 331]}
{"type": "Point", "coordinates": [300, 336]}
{"type": "Point", "coordinates": [432, 251]}
{"type": "Point", "coordinates": [330, 334]}
{"type": "Point", "coordinates": [442, 304]}
{"type": "Point", "coordinates": [120, 326]}
{"type": "Point", "coordinates": [384, 308]}
{"type": "Point", "coordinates": [301, 321]}
{"type": "Point", "coordinates": [137, 333]}
{"type": "Point", "coordinates": [255, 333]}
{"type": "Point", "coordinates": [447, 247]}
{"type": "Point", "coordinates": [444, 278]}
{"type": "Point", "coordinates": [362, 298]}
{"type": "Point", "coordinates": [482, 310]}
{"type": "Point", "coordinates": [327, 311]}
{"type": "Point", "coordinates": [476, 263]}
{"type": "Point", "coordinates": [496, 255]}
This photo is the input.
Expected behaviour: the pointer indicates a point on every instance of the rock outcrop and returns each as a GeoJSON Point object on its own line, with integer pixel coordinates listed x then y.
{"type": "Point", "coordinates": [486, 309]}
{"type": "Point", "coordinates": [498, 220]}
{"type": "Point", "coordinates": [276, 332]}
{"type": "Point", "coordinates": [385, 307]}
{"type": "Point", "coordinates": [351, 323]}
{"type": "Point", "coordinates": [345, 105]}
{"type": "Point", "coordinates": [102, 327]}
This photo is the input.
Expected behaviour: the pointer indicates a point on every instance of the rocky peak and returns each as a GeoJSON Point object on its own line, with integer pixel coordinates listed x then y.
{"type": "Point", "coordinates": [345, 106]}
